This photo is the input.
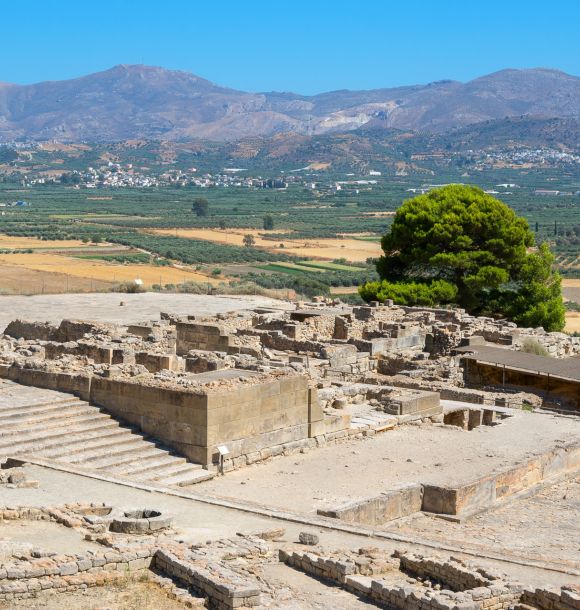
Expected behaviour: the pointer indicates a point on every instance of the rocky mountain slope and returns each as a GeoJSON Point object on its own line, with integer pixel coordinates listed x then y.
{"type": "Point", "coordinates": [148, 102]}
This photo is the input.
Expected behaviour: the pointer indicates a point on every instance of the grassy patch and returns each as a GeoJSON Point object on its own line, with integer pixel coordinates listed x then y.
{"type": "Point", "coordinates": [137, 257]}
{"type": "Point", "coordinates": [376, 238]}
{"type": "Point", "coordinates": [286, 268]}
{"type": "Point", "coordinates": [331, 266]}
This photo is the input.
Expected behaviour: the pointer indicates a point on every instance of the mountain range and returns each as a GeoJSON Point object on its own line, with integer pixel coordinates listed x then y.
{"type": "Point", "coordinates": [143, 102]}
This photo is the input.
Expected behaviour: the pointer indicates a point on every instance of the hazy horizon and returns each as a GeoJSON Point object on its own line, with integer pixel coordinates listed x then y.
{"type": "Point", "coordinates": [297, 46]}
{"type": "Point", "coordinates": [226, 85]}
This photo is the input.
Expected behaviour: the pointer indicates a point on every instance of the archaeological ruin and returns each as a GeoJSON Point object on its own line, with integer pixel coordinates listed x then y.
{"type": "Point", "coordinates": [387, 415]}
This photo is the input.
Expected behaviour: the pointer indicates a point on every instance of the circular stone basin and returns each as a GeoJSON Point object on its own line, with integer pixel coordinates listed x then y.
{"type": "Point", "coordinates": [140, 522]}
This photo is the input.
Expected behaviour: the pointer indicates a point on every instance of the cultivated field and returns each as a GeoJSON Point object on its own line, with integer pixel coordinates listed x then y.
{"type": "Point", "coordinates": [352, 249]}
{"type": "Point", "coordinates": [96, 270]}
{"type": "Point", "coordinates": [8, 242]}
{"type": "Point", "coordinates": [20, 280]}
{"type": "Point", "coordinates": [573, 322]}
{"type": "Point", "coordinates": [571, 291]}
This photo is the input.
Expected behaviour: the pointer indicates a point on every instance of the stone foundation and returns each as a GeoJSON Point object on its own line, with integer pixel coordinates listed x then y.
{"type": "Point", "coordinates": [458, 586]}
{"type": "Point", "coordinates": [224, 588]}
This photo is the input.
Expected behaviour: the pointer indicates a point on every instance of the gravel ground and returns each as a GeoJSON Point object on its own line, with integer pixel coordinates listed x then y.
{"type": "Point", "coordinates": [357, 469]}
{"type": "Point", "coordinates": [47, 535]}
{"type": "Point", "coordinates": [105, 307]}
{"type": "Point", "coordinates": [196, 522]}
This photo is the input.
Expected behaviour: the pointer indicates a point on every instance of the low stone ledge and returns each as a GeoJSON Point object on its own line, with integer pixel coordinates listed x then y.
{"type": "Point", "coordinates": [388, 506]}
{"type": "Point", "coordinates": [25, 577]}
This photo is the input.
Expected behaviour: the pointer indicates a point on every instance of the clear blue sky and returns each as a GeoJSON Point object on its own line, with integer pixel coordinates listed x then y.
{"type": "Point", "coordinates": [293, 45]}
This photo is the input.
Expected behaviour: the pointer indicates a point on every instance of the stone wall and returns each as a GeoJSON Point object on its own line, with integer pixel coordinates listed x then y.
{"type": "Point", "coordinates": [352, 574]}
{"type": "Point", "coordinates": [567, 598]}
{"type": "Point", "coordinates": [78, 384]}
{"type": "Point", "coordinates": [65, 573]}
{"type": "Point", "coordinates": [100, 354]}
{"type": "Point", "coordinates": [483, 493]}
{"type": "Point", "coordinates": [247, 417]}
{"type": "Point", "coordinates": [452, 574]}
{"type": "Point", "coordinates": [157, 362]}
{"type": "Point", "coordinates": [224, 588]}
{"type": "Point", "coordinates": [40, 331]}
{"type": "Point", "coordinates": [191, 335]}
{"type": "Point", "coordinates": [262, 415]}
{"type": "Point", "coordinates": [393, 504]}
{"type": "Point", "coordinates": [215, 337]}
{"type": "Point", "coordinates": [176, 417]}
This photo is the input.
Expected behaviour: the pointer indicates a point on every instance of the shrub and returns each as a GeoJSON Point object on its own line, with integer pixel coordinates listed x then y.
{"type": "Point", "coordinates": [128, 287]}
{"type": "Point", "coordinates": [533, 346]}
{"type": "Point", "coordinates": [438, 292]}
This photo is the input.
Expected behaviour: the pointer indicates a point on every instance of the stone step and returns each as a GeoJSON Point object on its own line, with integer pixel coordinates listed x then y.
{"type": "Point", "coordinates": [186, 478]}
{"type": "Point", "coordinates": [150, 465]}
{"type": "Point", "coordinates": [39, 407]}
{"type": "Point", "coordinates": [168, 471]}
{"type": "Point", "coordinates": [24, 421]}
{"type": "Point", "coordinates": [43, 426]}
{"type": "Point", "coordinates": [71, 431]}
{"type": "Point", "coordinates": [115, 447]}
{"type": "Point", "coordinates": [86, 442]}
{"type": "Point", "coordinates": [57, 436]}
{"type": "Point", "coordinates": [125, 456]}
{"type": "Point", "coordinates": [59, 442]}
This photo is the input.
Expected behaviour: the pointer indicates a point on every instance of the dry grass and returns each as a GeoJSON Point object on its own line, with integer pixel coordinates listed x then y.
{"type": "Point", "coordinates": [353, 250]}
{"type": "Point", "coordinates": [101, 270]}
{"type": "Point", "coordinates": [343, 289]}
{"type": "Point", "coordinates": [19, 280]}
{"type": "Point", "coordinates": [571, 283]}
{"type": "Point", "coordinates": [126, 594]}
{"type": "Point", "coordinates": [8, 242]}
{"type": "Point", "coordinates": [572, 322]}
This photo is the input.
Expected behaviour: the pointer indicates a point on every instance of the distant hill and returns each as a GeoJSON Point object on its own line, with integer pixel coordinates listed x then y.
{"type": "Point", "coordinates": [135, 102]}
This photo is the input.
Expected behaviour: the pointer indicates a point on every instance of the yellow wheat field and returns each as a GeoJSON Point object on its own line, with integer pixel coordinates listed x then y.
{"type": "Point", "coordinates": [103, 270]}
{"type": "Point", "coordinates": [354, 250]}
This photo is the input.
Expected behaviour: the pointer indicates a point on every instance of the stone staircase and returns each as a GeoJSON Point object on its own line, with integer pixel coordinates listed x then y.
{"type": "Point", "coordinates": [49, 425]}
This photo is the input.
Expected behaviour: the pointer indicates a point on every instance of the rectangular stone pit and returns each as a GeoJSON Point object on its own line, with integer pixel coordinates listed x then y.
{"type": "Point", "coordinates": [387, 583]}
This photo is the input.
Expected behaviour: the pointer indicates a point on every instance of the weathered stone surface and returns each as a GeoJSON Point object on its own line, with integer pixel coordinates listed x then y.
{"type": "Point", "coordinates": [308, 538]}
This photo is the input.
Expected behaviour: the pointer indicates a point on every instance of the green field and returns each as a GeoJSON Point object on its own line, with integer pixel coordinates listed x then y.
{"type": "Point", "coordinates": [120, 216]}
{"type": "Point", "coordinates": [133, 257]}
{"type": "Point", "coordinates": [286, 268]}
{"type": "Point", "coordinates": [331, 266]}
